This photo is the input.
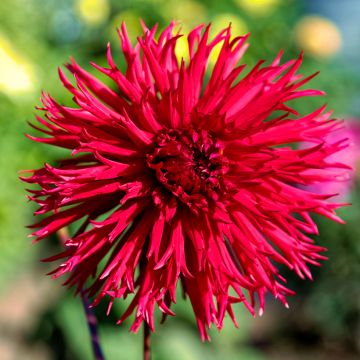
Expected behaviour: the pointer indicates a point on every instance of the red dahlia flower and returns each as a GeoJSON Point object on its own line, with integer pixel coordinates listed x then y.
{"type": "Point", "coordinates": [177, 181]}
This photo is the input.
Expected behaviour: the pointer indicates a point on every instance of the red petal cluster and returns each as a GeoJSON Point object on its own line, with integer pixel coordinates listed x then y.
{"type": "Point", "coordinates": [177, 180]}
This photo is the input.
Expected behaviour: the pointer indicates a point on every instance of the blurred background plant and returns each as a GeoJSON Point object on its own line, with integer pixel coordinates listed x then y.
{"type": "Point", "coordinates": [38, 319]}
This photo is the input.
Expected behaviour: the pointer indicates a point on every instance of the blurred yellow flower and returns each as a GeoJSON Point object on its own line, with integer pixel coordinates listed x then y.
{"type": "Point", "coordinates": [218, 23]}
{"type": "Point", "coordinates": [318, 36]}
{"type": "Point", "coordinates": [93, 12]}
{"type": "Point", "coordinates": [15, 72]}
{"type": "Point", "coordinates": [182, 47]}
{"type": "Point", "coordinates": [222, 21]}
{"type": "Point", "coordinates": [258, 7]}
{"type": "Point", "coordinates": [185, 11]}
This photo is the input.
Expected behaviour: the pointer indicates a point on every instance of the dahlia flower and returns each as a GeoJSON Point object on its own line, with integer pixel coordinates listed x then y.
{"type": "Point", "coordinates": [176, 182]}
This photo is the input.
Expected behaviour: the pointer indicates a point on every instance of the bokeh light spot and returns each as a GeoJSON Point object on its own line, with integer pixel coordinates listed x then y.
{"type": "Point", "coordinates": [222, 21]}
{"type": "Point", "coordinates": [93, 12]}
{"type": "Point", "coordinates": [258, 7]}
{"type": "Point", "coordinates": [186, 11]}
{"type": "Point", "coordinates": [318, 36]}
{"type": "Point", "coordinates": [181, 47]}
{"type": "Point", "coordinates": [15, 72]}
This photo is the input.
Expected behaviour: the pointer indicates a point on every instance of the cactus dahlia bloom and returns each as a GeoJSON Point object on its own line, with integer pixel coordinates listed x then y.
{"type": "Point", "coordinates": [179, 182]}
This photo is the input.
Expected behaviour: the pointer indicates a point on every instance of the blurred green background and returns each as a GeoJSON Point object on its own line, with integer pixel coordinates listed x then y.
{"type": "Point", "coordinates": [38, 318]}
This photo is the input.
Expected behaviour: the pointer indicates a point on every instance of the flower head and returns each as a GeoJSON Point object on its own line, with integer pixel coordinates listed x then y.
{"type": "Point", "coordinates": [180, 183]}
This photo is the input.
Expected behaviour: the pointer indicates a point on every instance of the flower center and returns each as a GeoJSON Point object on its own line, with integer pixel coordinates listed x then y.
{"type": "Point", "coordinates": [190, 164]}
